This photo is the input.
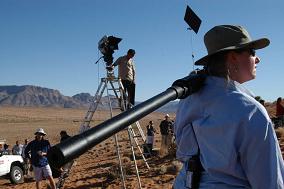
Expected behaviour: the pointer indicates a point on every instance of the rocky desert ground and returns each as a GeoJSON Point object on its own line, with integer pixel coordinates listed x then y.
{"type": "Point", "coordinates": [97, 168]}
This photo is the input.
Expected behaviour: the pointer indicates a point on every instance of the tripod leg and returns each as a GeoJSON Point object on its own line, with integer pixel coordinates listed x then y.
{"type": "Point", "coordinates": [119, 160]}
{"type": "Point", "coordinates": [134, 158]}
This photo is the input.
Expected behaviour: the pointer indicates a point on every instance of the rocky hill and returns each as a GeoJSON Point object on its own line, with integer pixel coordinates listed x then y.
{"type": "Point", "coordinates": [34, 96]}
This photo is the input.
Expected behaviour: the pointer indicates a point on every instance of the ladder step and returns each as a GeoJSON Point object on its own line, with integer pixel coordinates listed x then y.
{"type": "Point", "coordinates": [116, 108]}
{"type": "Point", "coordinates": [116, 89]}
{"type": "Point", "coordinates": [136, 136]}
{"type": "Point", "coordinates": [123, 140]}
{"type": "Point", "coordinates": [135, 140]}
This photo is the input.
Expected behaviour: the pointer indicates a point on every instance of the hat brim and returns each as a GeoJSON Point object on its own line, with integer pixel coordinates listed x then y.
{"type": "Point", "coordinates": [256, 44]}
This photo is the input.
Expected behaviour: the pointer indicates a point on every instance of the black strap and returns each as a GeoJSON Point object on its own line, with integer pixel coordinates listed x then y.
{"type": "Point", "coordinates": [198, 149]}
{"type": "Point", "coordinates": [195, 166]}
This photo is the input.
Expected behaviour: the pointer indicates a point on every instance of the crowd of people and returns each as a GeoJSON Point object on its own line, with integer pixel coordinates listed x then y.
{"type": "Point", "coordinates": [17, 149]}
{"type": "Point", "coordinates": [34, 152]}
{"type": "Point", "coordinates": [166, 128]}
{"type": "Point", "coordinates": [167, 136]}
{"type": "Point", "coordinates": [224, 137]}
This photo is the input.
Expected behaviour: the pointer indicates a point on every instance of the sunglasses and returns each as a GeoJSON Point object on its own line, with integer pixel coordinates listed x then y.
{"type": "Point", "coordinates": [250, 51]}
{"type": "Point", "coordinates": [40, 134]}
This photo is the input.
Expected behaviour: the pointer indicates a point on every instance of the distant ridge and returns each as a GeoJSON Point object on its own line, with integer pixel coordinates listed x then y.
{"type": "Point", "coordinates": [169, 107]}
{"type": "Point", "coordinates": [35, 96]}
{"type": "Point", "coordinates": [29, 95]}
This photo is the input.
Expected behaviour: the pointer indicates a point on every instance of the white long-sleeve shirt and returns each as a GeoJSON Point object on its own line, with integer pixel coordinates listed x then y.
{"type": "Point", "coordinates": [126, 68]}
{"type": "Point", "coordinates": [238, 145]}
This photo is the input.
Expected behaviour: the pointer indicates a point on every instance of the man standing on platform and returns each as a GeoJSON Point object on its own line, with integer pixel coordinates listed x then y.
{"type": "Point", "coordinates": [126, 72]}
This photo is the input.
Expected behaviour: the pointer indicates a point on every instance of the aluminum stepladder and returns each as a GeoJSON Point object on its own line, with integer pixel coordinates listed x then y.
{"type": "Point", "coordinates": [115, 90]}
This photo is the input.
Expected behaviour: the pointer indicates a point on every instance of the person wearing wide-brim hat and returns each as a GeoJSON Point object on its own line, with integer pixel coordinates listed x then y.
{"type": "Point", "coordinates": [224, 136]}
{"type": "Point", "coordinates": [37, 151]}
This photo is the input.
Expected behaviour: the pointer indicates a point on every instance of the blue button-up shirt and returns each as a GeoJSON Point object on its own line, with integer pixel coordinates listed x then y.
{"type": "Point", "coordinates": [237, 142]}
{"type": "Point", "coordinates": [33, 148]}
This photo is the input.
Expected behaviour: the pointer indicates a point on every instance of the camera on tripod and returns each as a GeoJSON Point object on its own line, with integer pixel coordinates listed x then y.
{"type": "Point", "coordinates": [107, 45]}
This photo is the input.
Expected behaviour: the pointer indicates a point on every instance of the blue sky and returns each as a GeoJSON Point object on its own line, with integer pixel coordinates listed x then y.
{"type": "Point", "coordinates": [53, 43]}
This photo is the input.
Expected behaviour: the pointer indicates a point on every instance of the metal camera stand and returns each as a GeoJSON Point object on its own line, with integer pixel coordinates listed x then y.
{"type": "Point", "coordinates": [77, 145]}
{"type": "Point", "coordinates": [115, 92]}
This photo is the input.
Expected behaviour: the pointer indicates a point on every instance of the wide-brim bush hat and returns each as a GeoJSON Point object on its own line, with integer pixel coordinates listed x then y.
{"type": "Point", "coordinates": [229, 37]}
{"type": "Point", "coordinates": [40, 131]}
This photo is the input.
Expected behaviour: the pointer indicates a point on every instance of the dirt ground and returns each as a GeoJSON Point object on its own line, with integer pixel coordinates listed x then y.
{"type": "Point", "coordinates": [97, 168]}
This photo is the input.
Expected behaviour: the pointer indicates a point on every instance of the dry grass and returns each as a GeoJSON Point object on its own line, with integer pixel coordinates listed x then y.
{"type": "Point", "coordinates": [97, 168]}
{"type": "Point", "coordinates": [20, 123]}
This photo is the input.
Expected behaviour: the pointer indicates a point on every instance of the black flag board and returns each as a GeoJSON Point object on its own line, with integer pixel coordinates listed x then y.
{"type": "Point", "coordinates": [192, 19]}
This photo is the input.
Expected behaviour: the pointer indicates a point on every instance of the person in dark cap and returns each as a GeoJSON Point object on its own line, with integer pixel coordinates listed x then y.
{"type": "Point", "coordinates": [63, 135]}
{"type": "Point", "coordinates": [224, 137]}
{"type": "Point", "coordinates": [38, 149]}
{"type": "Point", "coordinates": [150, 131]}
{"type": "Point", "coordinates": [66, 168]}
{"type": "Point", "coordinates": [6, 150]}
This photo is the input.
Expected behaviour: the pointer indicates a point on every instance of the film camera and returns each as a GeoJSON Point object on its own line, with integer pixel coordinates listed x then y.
{"type": "Point", "coordinates": [107, 45]}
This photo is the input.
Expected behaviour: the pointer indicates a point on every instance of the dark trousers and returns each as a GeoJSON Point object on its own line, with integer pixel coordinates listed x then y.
{"type": "Point", "coordinates": [129, 87]}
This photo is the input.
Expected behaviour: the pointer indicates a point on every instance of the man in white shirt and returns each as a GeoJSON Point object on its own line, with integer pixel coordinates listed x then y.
{"type": "Point", "coordinates": [126, 72]}
{"type": "Point", "coordinates": [17, 149]}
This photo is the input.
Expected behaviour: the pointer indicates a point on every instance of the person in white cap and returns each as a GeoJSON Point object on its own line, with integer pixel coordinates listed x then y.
{"type": "Point", "coordinates": [165, 129]}
{"type": "Point", "coordinates": [224, 137]}
{"type": "Point", "coordinates": [38, 149]}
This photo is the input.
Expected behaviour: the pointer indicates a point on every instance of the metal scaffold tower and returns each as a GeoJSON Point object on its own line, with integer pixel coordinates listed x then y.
{"type": "Point", "coordinates": [115, 92]}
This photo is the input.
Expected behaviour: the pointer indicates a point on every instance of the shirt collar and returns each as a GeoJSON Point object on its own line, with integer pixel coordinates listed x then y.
{"type": "Point", "coordinates": [221, 82]}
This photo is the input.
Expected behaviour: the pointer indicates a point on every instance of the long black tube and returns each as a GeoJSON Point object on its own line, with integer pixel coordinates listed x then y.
{"type": "Point", "coordinates": [75, 146]}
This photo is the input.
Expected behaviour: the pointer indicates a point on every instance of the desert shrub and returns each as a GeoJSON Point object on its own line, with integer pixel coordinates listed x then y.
{"type": "Point", "coordinates": [173, 168]}
{"type": "Point", "coordinates": [113, 172]}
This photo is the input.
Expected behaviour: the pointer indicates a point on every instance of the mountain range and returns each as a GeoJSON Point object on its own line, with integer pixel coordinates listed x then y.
{"type": "Point", "coordinates": [35, 96]}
